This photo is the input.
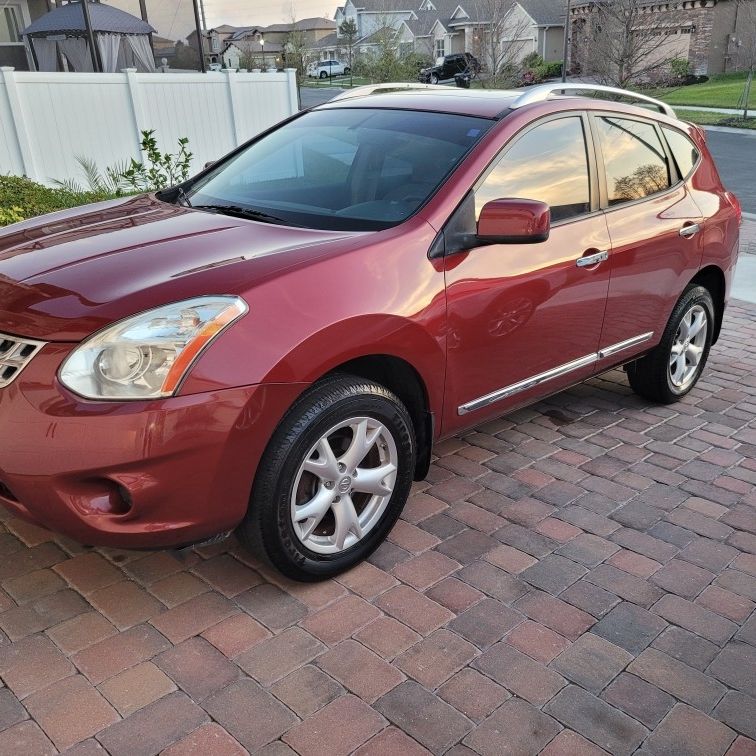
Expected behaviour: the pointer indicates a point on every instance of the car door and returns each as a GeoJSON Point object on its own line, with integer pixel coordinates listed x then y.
{"type": "Point", "coordinates": [654, 225]}
{"type": "Point", "coordinates": [525, 319]}
{"type": "Point", "coordinates": [450, 66]}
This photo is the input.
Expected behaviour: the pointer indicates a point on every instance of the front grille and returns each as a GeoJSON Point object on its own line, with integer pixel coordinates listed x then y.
{"type": "Point", "coordinates": [15, 355]}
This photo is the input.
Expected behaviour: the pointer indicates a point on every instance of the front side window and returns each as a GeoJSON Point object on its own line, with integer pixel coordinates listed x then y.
{"type": "Point", "coordinates": [683, 150]}
{"type": "Point", "coordinates": [548, 163]}
{"type": "Point", "coordinates": [353, 168]}
{"type": "Point", "coordinates": [634, 159]}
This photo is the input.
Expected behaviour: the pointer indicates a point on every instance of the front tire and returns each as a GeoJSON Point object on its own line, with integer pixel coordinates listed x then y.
{"type": "Point", "coordinates": [672, 369]}
{"type": "Point", "coordinates": [433, 79]}
{"type": "Point", "coordinates": [323, 75]}
{"type": "Point", "coordinates": [333, 479]}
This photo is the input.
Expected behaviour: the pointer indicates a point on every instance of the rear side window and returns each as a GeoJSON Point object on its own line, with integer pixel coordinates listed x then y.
{"type": "Point", "coordinates": [683, 150]}
{"type": "Point", "coordinates": [634, 159]}
{"type": "Point", "coordinates": [548, 163]}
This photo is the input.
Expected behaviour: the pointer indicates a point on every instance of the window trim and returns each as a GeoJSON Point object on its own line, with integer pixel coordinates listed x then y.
{"type": "Point", "coordinates": [21, 21]}
{"type": "Point", "coordinates": [674, 175]}
{"type": "Point", "coordinates": [590, 150]}
{"type": "Point", "coordinates": [694, 168]}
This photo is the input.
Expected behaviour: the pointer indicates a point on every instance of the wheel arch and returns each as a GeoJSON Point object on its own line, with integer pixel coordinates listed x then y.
{"type": "Point", "coordinates": [404, 380]}
{"type": "Point", "coordinates": [712, 278]}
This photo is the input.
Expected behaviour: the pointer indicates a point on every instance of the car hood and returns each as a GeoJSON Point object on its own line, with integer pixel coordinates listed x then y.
{"type": "Point", "coordinates": [65, 275]}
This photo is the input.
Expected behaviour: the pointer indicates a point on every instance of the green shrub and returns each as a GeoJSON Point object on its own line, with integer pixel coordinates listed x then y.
{"type": "Point", "coordinates": [161, 170]}
{"type": "Point", "coordinates": [553, 69]}
{"type": "Point", "coordinates": [679, 67]}
{"type": "Point", "coordinates": [10, 215]}
{"type": "Point", "coordinates": [531, 60]}
{"type": "Point", "coordinates": [22, 198]}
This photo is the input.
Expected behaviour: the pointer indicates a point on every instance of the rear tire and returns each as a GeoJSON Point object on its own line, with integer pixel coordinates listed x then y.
{"type": "Point", "coordinates": [333, 479]}
{"type": "Point", "coordinates": [672, 369]}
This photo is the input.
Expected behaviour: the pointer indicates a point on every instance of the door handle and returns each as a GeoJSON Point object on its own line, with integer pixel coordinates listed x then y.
{"type": "Point", "coordinates": [691, 230]}
{"type": "Point", "coordinates": [586, 261]}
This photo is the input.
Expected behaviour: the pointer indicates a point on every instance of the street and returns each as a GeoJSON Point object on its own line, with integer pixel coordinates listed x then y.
{"type": "Point", "coordinates": [735, 155]}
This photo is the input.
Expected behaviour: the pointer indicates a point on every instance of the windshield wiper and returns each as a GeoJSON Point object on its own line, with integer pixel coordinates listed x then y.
{"type": "Point", "coordinates": [243, 212]}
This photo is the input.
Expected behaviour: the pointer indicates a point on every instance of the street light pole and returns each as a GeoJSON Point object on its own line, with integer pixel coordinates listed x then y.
{"type": "Point", "coordinates": [565, 52]}
{"type": "Point", "coordinates": [262, 49]}
{"type": "Point", "coordinates": [200, 39]}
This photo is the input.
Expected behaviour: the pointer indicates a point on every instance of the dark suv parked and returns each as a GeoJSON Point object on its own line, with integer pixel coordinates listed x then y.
{"type": "Point", "coordinates": [449, 68]}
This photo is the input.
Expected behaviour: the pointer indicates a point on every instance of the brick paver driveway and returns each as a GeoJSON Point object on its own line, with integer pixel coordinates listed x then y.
{"type": "Point", "coordinates": [580, 575]}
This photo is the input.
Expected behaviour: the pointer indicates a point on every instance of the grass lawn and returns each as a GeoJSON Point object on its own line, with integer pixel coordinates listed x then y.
{"type": "Point", "coordinates": [707, 118]}
{"type": "Point", "coordinates": [721, 91]}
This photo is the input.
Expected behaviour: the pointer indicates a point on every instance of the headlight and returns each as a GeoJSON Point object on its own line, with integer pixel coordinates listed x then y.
{"type": "Point", "coordinates": [148, 355]}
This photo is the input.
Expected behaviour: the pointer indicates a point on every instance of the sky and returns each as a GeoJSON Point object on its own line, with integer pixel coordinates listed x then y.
{"type": "Point", "coordinates": [174, 19]}
{"type": "Point", "coordinates": [246, 12]}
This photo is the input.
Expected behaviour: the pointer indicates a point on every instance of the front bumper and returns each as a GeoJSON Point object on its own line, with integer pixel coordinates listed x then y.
{"type": "Point", "coordinates": [132, 474]}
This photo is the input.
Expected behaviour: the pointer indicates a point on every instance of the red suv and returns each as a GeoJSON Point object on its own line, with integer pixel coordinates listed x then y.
{"type": "Point", "coordinates": [275, 345]}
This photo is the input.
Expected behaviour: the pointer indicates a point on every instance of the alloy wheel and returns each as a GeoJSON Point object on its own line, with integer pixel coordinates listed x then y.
{"type": "Point", "coordinates": [688, 347]}
{"type": "Point", "coordinates": [344, 485]}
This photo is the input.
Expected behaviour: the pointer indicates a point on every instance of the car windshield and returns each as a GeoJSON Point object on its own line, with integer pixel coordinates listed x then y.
{"type": "Point", "coordinates": [352, 169]}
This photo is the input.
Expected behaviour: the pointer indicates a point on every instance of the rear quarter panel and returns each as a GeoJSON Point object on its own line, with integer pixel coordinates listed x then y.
{"type": "Point", "coordinates": [720, 227]}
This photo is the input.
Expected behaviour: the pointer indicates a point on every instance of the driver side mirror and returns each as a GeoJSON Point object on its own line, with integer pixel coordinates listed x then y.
{"type": "Point", "coordinates": [514, 221]}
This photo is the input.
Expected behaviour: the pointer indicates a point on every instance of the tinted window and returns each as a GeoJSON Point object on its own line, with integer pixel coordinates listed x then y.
{"type": "Point", "coordinates": [634, 160]}
{"type": "Point", "coordinates": [352, 168]}
{"type": "Point", "coordinates": [684, 151]}
{"type": "Point", "coordinates": [548, 163]}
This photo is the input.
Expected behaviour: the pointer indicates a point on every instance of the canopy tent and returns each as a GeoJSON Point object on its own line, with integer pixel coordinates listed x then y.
{"type": "Point", "coordinates": [122, 40]}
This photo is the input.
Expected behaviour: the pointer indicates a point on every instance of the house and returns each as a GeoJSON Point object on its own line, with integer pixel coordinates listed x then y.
{"type": "Point", "coordinates": [709, 34]}
{"type": "Point", "coordinates": [442, 27]}
{"type": "Point", "coordinates": [15, 16]}
{"type": "Point", "coordinates": [164, 49]}
{"type": "Point", "coordinates": [213, 43]}
{"type": "Point", "coordinates": [253, 43]}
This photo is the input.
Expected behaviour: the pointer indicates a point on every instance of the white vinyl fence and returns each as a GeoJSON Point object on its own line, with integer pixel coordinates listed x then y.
{"type": "Point", "coordinates": [47, 120]}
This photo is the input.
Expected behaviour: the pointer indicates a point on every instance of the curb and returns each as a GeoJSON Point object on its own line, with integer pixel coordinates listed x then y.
{"type": "Point", "coordinates": [730, 130]}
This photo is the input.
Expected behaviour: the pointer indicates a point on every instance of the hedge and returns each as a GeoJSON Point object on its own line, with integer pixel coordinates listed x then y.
{"type": "Point", "coordinates": [22, 198]}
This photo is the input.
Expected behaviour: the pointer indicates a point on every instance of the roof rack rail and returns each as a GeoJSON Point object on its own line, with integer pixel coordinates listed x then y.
{"type": "Point", "coordinates": [368, 89]}
{"type": "Point", "coordinates": [543, 91]}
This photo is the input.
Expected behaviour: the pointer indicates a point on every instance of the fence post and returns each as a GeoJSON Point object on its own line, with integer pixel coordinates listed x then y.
{"type": "Point", "coordinates": [232, 83]}
{"type": "Point", "coordinates": [135, 97]}
{"type": "Point", "coordinates": [293, 87]}
{"type": "Point", "coordinates": [17, 117]}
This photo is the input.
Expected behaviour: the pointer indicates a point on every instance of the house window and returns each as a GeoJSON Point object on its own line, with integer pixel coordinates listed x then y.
{"type": "Point", "coordinates": [440, 48]}
{"type": "Point", "coordinates": [9, 25]}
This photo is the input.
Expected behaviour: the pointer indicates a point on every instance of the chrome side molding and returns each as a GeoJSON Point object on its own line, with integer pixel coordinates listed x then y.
{"type": "Point", "coordinates": [614, 348]}
{"type": "Point", "coordinates": [528, 383]}
{"type": "Point", "coordinates": [550, 375]}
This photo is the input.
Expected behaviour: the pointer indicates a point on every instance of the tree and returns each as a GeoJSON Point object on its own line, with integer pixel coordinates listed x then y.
{"type": "Point", "coordinates": [249, 59]}
{"type": "Point", "coordinates": [499, 41]}
{"type": "Point", "coordinates": [622, 43]}
{"type": "Point", "coordinates": [186, 57]}
{"type": "Point", "coordinates": [745, 41]}
{"type": "Point", "coordinates": [348, 31]}
{"type": "Point", "coordinates": [295, 49]}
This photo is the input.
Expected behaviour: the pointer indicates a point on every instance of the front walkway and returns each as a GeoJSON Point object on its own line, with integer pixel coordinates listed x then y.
{"type": "Point", "coordinates": [576, 577]}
